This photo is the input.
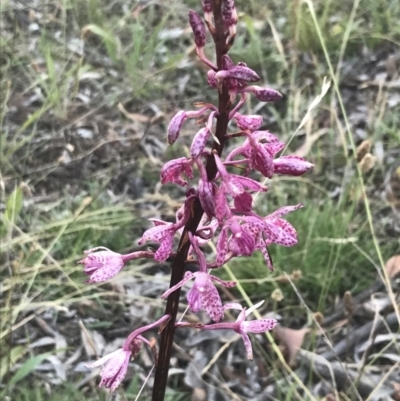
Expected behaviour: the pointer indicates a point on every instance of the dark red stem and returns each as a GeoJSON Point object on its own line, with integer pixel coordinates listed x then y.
{"type": "Point", "coordinates": [178, 265]}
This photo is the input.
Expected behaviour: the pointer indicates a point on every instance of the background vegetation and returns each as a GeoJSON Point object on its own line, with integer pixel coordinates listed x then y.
{"type": "Point", "coordinates": [88, 88]}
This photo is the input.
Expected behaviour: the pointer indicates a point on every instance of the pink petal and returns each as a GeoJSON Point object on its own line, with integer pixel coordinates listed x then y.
{"type": "Point", "coordinates": [104, 359]}
{"type": "Point", "coordinates": [283, 211]}
{"type": "Point", "coordinates": [206, 196]}
{"type": "Point", "coordinates": [173, 170]}
{"type": "Point", "coordinates": [222, 246]}
{"type": "Point", "coordinates": [274, 147]}
{"type": "Point", "coordinates": [243, 202]}
{"type": "Point", "coordinates": [281, 232]}
{"type": "Point", "coordinates": [165, 248]}
{"type": "Point", "coordinates": [258, 326]}
{"type": "Point", "coordinates": [233, 305]}
{"type": "Point", "coordinates": [232, 185]}
{"type": "Point", "coordinates": [102, 266]}
{"type": "Point", "coordinates": [259, 135]}
{"type": "Point", "coordinates": [248, 183]}
{"type": "Point", "coordinates": [247, 344]}
{"type": "Point", "coordinates": [267, 257]}
{"type": "Point", "coordinates": [188, 276]}
{"type": "Point", "coordinates": [263, 161]}
{"type": "Point", "coordinates": [156, 234]}
{"type": "Point", "coordinates": [210, 298]}
{"type": "Point", "coordinates": [194, 300]}
{"type": "Point", "coordinates": [227, 284]}
{"type": "Point", "coordinates": [112, 381]}
{"type": "Point", "coordinates": [248, 122]}
{"type": "Point", "coordinates": [222, 210]}
{"type": "Point", "coordinates": [114, 364]}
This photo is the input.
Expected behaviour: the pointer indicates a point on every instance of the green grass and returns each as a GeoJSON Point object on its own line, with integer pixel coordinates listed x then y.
{"type": "Point", "coordinates": [115, 54]}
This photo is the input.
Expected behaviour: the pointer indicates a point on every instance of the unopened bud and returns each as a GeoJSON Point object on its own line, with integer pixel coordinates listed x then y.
{"type": "Point", "coordinates": [198, 28]}
{"type": "Point", "coordinates": [175, 126]}
{"type": "Point", "coordinates": [291, 165]}
{"type": "Point", "coordinates": [264, 94]}
{"type": "Point", "coordinates": [238, 72]}
{"type": "Point", "coordinates": [251, 122]}
{"type": "Point", "coordinates": [229, 15]}
{"type": "Point", "coordinates": [199, 142]}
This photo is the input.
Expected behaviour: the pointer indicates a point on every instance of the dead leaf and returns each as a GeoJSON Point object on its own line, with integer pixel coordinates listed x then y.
{"type": "Point", "coordinates": [331, 397]}
{"type": "Point", "coordinates": [363, 149]}
{"type": "Point", "coordinates": [277, 295]}
{"type": "Point", "coordinates": [198, 394]}
{"type": "Point", "coordinates": [367, 163]}
{"type": "Point", "coordinates": [396, 394]}
{"type": "Point", "coordinates": [348, 303]}
{"type": "Point", "coordinates": [392, 266]}
{"type": "Point", "coordinates": [291, 339]}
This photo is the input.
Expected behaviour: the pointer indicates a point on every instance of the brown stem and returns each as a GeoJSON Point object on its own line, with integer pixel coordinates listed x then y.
{"type": "Point", "coordinates": [178, 265]}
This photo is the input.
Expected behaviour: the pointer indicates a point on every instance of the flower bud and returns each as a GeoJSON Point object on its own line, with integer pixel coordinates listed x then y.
{"type": "Point", "coordinates": [229, 15]}
{"type": "Point", "coordinates": [250, 122]}
{"type": "Point", "coordinates": [238, 72]}
{"type": "Point", "coordinates": [207, 6]}
{"type": "Point", "coordinates": [206, 196]}
{"type": "Point", "coordinates": [175, 126]}
{"type": "Point", "coordinates": [291, 165]}
{"type": "Point", "coordinates": [264, 94]}
{"type": "Point", "coordinates": [199, 142]}
{"type": "Point", "coordinates": [198, 28]}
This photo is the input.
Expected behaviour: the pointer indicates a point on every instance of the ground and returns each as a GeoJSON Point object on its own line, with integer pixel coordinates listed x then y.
{"type": "Point", "coordinates": [89, 87]}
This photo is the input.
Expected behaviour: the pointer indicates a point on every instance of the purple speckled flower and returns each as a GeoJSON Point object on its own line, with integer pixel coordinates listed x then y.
{"type": "Point", "coordinates": [173, 171]}
{"type": "Point", "coordinates": [115, 368]}
{"type": "Point", "coordinates": [253, 326]}
{"type": "Point", "coordinates": [242, 327]}
{"type": "Point", "coordinates": [162, 234]}
{"type": "Point", "coordinates": [102, 265]}
{"type": "Point", "coordinates": [203, 294]}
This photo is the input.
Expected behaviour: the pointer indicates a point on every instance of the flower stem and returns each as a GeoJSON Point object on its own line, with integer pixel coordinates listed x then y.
{"type": "Point", "coordinates": [178, 265]}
